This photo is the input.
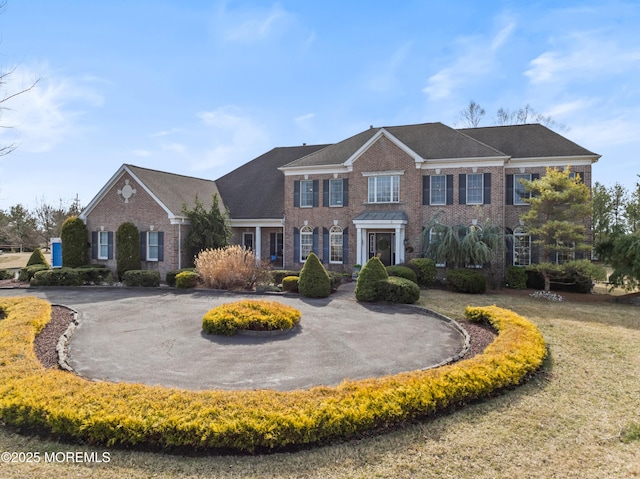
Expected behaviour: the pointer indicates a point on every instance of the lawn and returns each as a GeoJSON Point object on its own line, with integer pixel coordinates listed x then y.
{"type": "Point", "coordinates": [569, 421]}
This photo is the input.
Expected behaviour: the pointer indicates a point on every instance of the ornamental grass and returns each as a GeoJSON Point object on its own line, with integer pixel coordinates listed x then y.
{"type": "Point", "coordinates": [231, 267]}
{"type": "Point", "coordinates": [61, 403]}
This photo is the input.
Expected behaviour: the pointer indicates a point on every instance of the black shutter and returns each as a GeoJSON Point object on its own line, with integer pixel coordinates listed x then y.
{"type": "Point", "coordinates": [296, 194]}
{"type": "Point", "coordinates": [315, 240]}
{"type": "Point", "coordinates": [345, 245]}
{"type": "Point", "coordinates": [272, 245]}
{"type": "Point", "coordinates": [487, 189]}
{"type": "Point", "coordinates": [325, 245]}
{"type": "Point", "coordinates": [143, 245]}
{"type": "Point", "coordinates": [449, 189]}
{"type": "Point", "coordinates": [94, 245]}
{"type": "Point", "coordinates": [296, 245]}
{"type": "Point", "coordinates": [426, 189]}
{"type": "Point", "coordinates": [110, 245]}
{"type": "Point", "coordinates": [462, 192]}
{"type": "Point", "coordinates": [325, 192]}
{"type": "Point", "coordinates": [160, 245]}
{"type": "Point", "coordinates": [345, 192]}
{"type": "Point", "coordinates": [535, 251]}
{"type": "Point", "coordinates": [509, 190]}
{"type": "Point", "coordinates": [534, 177]}
{"type": "Point", "coordinates": [316, 188]}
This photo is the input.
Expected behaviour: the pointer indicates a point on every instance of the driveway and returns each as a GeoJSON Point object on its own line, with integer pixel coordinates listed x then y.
{"type": "Point", "coordinates": [154, 336]}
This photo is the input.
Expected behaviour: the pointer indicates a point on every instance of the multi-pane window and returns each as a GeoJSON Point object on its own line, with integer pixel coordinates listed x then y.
{"type": "Point", "coordinates": [438, 190]}
{"type": "Point", "coordinates": [152, 246]}
{"type": "Point", "coordinates": [475, 188]}
{"type": "Point", "coordinates": [519, 191]}
{"type": "Point", "coordinates": [335, 192]}
{"type": "Point", "coordinates": [335, 245]}
{"type": "Point", "coordinates": [567, 254]}
{"type": "Point", "coordinates": [384, 189]}
{"type": "Point", "coordinates": [103, 245]}
{"type": "Point", "coordinates": [306, 193]}
{"type": "Point", "coordinates": [306, 242]}
{"type": "Point", "coordinates": [521, 247]}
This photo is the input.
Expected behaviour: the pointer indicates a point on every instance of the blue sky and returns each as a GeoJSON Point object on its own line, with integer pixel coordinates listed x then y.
{"type": "Point", "coordinates": [200, 87]}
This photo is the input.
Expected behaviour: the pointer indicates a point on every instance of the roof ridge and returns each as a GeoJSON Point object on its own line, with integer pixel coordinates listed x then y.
{"type": "Point", "coordinates": [166, 172]}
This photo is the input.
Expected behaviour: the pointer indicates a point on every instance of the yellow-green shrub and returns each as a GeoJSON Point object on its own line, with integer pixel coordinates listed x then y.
{"type": "Point", "coordinates": [250, 315]}
{"type": "Point", "coordinates": [134, 414]}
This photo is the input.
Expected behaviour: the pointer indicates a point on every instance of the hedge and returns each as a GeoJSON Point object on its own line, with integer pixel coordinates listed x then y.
{"type": "Point", "coordinates": [230, 318]}
{"type": "Point", "coordinates": [50, 400]}
{"type": "Point", "coordinates": [186, 279]}
{"type": "Point", "coordinates": [396, 289]}
{"type": "Point", "coordinates": [467, 281]}
{"type": "Point", "coordinates": [141, 277]}
{"type": "Point", "coordinates": [57, 277]}
{"type": "Point", "coordinates": [403, 272]}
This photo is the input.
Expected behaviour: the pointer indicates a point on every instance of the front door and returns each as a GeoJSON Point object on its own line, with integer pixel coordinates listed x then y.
{"type": "Point", "coordinates": [382, 245]}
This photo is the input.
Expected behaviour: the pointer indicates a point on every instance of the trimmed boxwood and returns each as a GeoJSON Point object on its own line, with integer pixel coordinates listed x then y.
{"type": "Point", "coordinates": [250, 315]}
{"type": "Point", "coordinates": [278, 275]}
{"type": "Point", "coordinates": [37, 258]}
{"type": "Point", "coordinates": [366, 285]}
{"type": "Point", "coordinates": [95, 275]}
{"type": "Point", "coordinates": [170, 277]}
{"type": "Point", "coordinates": [27, 273]}
{"type": "Point", "coordinates": [187, 279]}
{"type": "Point", "coordinates": [6, 274]}
{"type": "Point", "coordinates": [427, 271]}
{"type": "Point", "coordinates": [335, 280]}
{"type": "Point", "coordinates": [467, 281]}
{"type": "Point", "coordinates": [396, 289]}
{"type": "Point", "coordinates": [140, 277]}
{"type": "Point", "coordinates": [290, 284]}
{"type": "Point", "coordinates": [111, 414]}
{"type": "Point", "coordinates": [57, 277]}
{"type": "Point", "coordinates": [403, 272]}
{"type": "Point", "coordinates": [516, 277]}
{"type": "Point", "coordinates": [314, 281]}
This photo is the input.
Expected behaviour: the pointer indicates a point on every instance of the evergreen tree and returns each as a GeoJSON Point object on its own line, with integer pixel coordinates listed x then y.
{"type": "Point", "coordinates": [209, 229]}
{"type": "Point", "coordinates": [127, 249]}
{"type": "Point", "coordinates": [74, 242]}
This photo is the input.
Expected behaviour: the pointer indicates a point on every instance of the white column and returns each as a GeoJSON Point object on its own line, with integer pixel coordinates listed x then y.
{"type": "Point", "coordinates": [399, 245]}
{"type": "Point", "coordinates": [359, 246]}
{"type": "Point", "coordinates": [258, 244]}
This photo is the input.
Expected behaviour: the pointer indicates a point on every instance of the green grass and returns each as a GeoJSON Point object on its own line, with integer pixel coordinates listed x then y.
{"type": "Point", "coordinates": [578, 418]}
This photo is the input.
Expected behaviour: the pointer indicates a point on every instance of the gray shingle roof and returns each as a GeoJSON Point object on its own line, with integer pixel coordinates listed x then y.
{"type": "Point", "coordinates": [527, 141]}
{"type": "Point", "coordinates": [429, 140]}
{"type": "Point", "coordinates": [175, 190]}
{"type": "Point", "coordinates": [392, 215]}
{"type": "Point", "coordinates": [255, 190]}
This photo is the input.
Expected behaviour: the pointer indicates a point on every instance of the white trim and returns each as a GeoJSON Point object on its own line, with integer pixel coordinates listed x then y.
{"type": "Point", "coordinates": [157, 245]}
{"type": "Point", "coordinates": [383, 173]}
{"type": "Point", "coordinates": [481, 162]}
{"type": "Point", "coordinates": [315, 170]}
{"type": "Point", "coordinates": [252, 223]}
{"type": "Point", "coordinates": [553, 161]}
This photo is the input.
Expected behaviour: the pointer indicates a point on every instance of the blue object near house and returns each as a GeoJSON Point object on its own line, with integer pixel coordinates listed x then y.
{"type": "Point", "coordinates": [56, 253]}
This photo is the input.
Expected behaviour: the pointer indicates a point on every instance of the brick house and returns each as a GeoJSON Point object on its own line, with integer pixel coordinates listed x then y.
{"type": "Point", "coordinates": [152, 200]}
{"type": "Point", "coordinates": [370, 194]}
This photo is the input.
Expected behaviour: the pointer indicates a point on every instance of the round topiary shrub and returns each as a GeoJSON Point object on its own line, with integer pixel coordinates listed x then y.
{"type": "Point", "coordinates": [366, 285]}
{"type": "Point", "coordinates": [426, 271]}
{"type": "Point", "coordinates": [127, 249]}
{"type": "Point", "coordinates": [396, 289]}
{"type": "Point", "coordinates": [37, 258]}
{"type": "Point", "coordinates": [467, 281]}
{"type": "Point", "coordinates": [74, 242]}
{"type": "Point", "coordinates": [250, 315]}
{"type": "Point", "coordinates": [290, 284]}
{"type": "Point", "coordinates": [314, 281]}
{"type": "Point", "coordinates": [187, 279]}
{"type": "Point", "coordinates": [403, 272]}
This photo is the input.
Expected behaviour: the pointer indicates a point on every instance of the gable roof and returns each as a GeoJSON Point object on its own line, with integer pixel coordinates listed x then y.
{"type": "Point", "coordinates": [527, 141]}
{"type": "Point", "coordinates": [169, 190]}
{"type": "Point", "coordinates": [427, 141]}
{"type": "Point", "coordinates": [255, 190]}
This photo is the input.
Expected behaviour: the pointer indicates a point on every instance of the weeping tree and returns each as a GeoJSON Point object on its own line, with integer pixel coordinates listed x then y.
{"type": "Point", "coordinates": [210, 229]}
{"type": "Point", "coordinates": [459, 245]}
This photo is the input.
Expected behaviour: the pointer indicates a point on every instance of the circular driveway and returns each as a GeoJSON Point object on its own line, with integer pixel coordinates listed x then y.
{"type": "Point", "coordinates": [154, 336]}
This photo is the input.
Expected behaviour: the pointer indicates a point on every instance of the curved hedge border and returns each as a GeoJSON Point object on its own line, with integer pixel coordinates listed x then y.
{"type": "Point", "coordinates": [133, 414]}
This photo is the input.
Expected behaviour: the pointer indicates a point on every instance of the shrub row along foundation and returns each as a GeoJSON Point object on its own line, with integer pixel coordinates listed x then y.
{"type": "Point", "coordinates": [131, 414]}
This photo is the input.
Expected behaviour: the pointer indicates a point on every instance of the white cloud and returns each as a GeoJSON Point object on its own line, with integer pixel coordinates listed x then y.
{"type": "Point", "coordinates": [141, 153]}
{"type": "Point", "coordinates": [304, 118]}
{"type": "Point", "coordinates": [251, 25]}
{"type": "Point", "coordinates": [475, 59]}
{"type": "Point", "coordinates": [234, 138]}
{"type": "Point", "coordinates": [583, 56]}
{"type": "Point", "coordinates": [49, 113]}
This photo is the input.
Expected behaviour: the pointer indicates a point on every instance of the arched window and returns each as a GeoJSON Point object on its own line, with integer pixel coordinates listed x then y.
{"type": "Point", "coordinates": [521, 247]}
{"type": "Point", "coordinates": [335, 245]}
{"type": "Point", "coordinates": [306, 242]}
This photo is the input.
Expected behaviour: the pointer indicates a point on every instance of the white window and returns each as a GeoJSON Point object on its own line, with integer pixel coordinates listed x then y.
{"type": "Point", "coordinates": [306, 242]}
{"type": "Point", "coordinates": [152, 246]}
{"type": "Point", "coordinates": [335, 245]}
{"type": "Point", "coordinates": [384, 189]}
{"type": "Point", "coordinates": [335, 192]}
{"type": "Point", "coordinates": [566, 255]}
{"type": "Point", "coordinates": [438, 190]}
{"type": "Point", "coordinates": [306, 193]}
{"type": "Point", "coordinates": [521, 247]}
{"type": "Point", "coordinates": [103, 245]}
{"type": "Point", "coordinates": [519, 191]}
{"type": "Point", "coordinates": [475, 188]}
